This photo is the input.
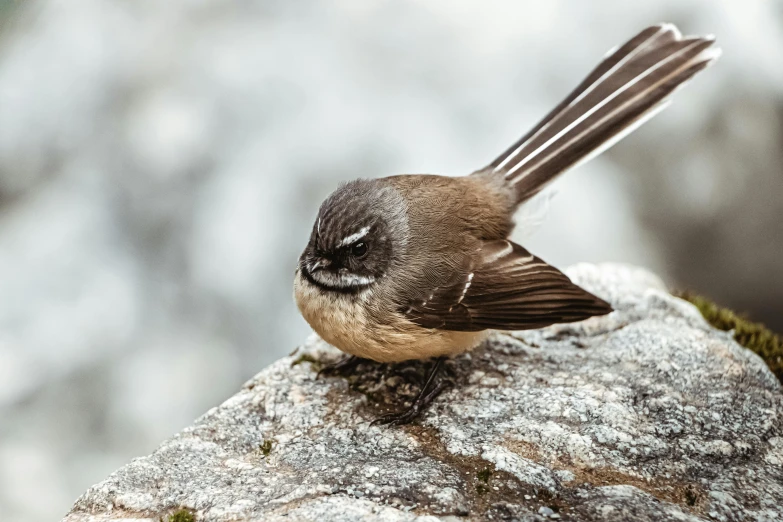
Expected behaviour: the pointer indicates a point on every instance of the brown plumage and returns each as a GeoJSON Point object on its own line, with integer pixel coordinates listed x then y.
{"type": "Point", "coordinates": [417, 266]}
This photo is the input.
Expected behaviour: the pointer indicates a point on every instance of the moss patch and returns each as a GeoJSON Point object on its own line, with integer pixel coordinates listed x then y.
{"type": "Point", "coordinates": [483, 476]}
{"type": "Point", "coordinates": [183, 515]}
{"type": "Point", "coordinates": [266, 447]}
{"type": "Point", "coordinates": [316, 364]}
{"type": "Point", "coordinates": [753, 336]}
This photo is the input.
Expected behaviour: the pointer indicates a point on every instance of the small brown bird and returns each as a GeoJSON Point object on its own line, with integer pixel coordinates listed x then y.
{"type": "Point", "coordinates": [419, 266]}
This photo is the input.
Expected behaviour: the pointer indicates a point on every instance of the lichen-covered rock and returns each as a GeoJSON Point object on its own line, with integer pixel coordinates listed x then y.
{"type": "Point", "coordinates": [645, 414]}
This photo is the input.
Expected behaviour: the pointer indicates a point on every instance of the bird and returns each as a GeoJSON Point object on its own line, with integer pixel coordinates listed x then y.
{"type": "Point", "coordinates": [420, 266]}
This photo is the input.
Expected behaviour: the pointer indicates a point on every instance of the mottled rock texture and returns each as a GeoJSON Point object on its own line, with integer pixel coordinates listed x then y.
{"type": "Point", "coordinates": [645, 414]}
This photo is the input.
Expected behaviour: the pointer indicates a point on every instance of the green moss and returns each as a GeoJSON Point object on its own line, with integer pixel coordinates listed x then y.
{"type": "Point", "coordinates": [483, 477]}
{"type": "Point", "coordinates": [306, 357]}
{"type": "Point", "coordinates": [753, 336]}
{"type": "Point", "coordinates": [266, 447]}
{"type": "Point", "coordinates": [183, 515]}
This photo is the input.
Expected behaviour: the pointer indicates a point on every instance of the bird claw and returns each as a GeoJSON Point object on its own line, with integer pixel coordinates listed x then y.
{"type": "Point", "coordinates": [423, 400]}
{"type": "Point", "coordinates": [340, 367]}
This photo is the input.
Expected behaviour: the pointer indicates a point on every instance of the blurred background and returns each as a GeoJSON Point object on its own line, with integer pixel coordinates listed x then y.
{"type": "Point", "coordinates": [161, 163]}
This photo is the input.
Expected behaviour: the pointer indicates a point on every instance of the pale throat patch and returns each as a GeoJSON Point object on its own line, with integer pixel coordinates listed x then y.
{"type": "Point", "coordinates": [341, 280]}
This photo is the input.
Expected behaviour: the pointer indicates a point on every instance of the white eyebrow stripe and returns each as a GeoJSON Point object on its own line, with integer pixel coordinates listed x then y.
{"type": "Point", "coordinates": [354, 237]}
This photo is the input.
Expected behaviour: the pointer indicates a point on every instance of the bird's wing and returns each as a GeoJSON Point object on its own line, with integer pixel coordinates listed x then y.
{"type": "Point", "coordinates": [504, 287]}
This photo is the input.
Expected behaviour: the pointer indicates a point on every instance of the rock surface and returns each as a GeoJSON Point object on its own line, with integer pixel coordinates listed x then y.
{"type": "Point", "coordinates": [645, 414]}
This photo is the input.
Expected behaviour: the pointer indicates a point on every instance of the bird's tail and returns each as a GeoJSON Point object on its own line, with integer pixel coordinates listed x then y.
{"type": "Point", "coordinates": [632, 84]}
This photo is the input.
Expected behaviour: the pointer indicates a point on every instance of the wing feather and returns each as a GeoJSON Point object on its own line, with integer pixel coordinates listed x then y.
{"type": "Point", "coordinates": [505, 288]}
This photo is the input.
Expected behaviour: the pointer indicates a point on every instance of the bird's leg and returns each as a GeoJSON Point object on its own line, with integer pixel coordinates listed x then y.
{"type": "Point", "coordinates": [429, 391]}
{"type": "Point", "coordinates": [340, 367]}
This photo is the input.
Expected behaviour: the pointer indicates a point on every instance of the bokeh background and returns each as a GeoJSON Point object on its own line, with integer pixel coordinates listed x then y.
{"type": "Point", "coordinates": [161, 163]}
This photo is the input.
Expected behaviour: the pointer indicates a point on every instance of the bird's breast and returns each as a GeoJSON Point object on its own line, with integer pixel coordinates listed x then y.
{"type": "Point", "coordinates": [344, 321]}
{"type": "Point", "coordinates": [339, 318]}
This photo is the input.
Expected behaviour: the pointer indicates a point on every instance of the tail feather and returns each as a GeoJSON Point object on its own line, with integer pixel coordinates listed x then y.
{"type": "Point", "coordinates": [628, 87]}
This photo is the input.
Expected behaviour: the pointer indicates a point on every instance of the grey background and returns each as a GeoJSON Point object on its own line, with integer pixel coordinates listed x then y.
{"type": "Point", "coordinates": [161, 163]}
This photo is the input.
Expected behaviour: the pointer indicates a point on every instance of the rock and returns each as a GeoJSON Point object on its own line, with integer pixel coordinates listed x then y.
{"type": "Point", "coordinates": [645, 414]}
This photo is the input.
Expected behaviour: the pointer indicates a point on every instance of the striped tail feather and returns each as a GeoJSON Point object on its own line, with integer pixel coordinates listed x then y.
{"type": "Point", "coordinates": [632, 84]}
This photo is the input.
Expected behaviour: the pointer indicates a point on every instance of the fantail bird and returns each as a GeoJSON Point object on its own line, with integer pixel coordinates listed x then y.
{"type": "Point", "coordinates": [419, 266]}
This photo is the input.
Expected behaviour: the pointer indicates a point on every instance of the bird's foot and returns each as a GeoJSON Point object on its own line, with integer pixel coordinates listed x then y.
{"type": "Point", "coordinates": [341, 367]}
{"type": "Point", "coordinates": [421, 403]}
{"type": "Point", "coordinates": [431, 389]}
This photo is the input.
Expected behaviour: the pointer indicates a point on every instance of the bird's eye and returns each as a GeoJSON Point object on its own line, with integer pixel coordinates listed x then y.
{"type": "Point", "coordinates": [359, 250]}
